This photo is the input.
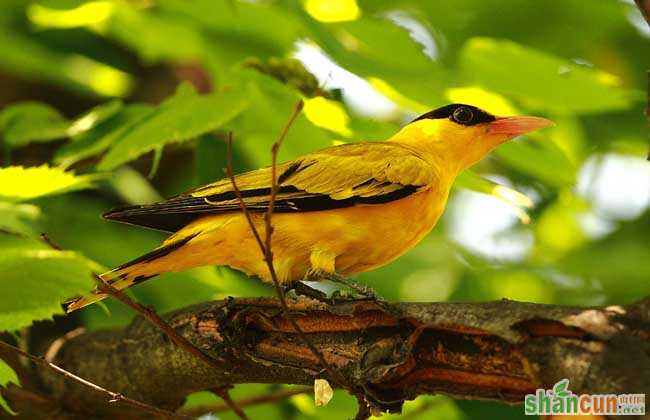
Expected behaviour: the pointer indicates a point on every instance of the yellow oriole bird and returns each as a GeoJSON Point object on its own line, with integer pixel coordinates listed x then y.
{"type": "Point", "coordinates": [341, 210]}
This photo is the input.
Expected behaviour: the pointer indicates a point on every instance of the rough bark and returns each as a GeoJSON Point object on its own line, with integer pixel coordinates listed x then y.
{"type": "Point", "coordinates": [496, 350]}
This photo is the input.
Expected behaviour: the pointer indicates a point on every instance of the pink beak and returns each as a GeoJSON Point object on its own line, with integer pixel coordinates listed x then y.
{"type": "Point", "coordinates": [516, 126]}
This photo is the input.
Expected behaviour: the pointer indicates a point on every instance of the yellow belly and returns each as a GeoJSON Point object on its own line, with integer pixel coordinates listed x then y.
{"type": "Point", "coordinates": [347, 241]}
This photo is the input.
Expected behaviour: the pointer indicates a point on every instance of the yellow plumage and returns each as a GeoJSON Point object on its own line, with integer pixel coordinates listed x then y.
{"type": "Point", "coordinates": [344, 209]}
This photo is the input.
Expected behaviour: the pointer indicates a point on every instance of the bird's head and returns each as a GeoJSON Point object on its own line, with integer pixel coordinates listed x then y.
{"type": "Point", "coordinates": [460, 135]}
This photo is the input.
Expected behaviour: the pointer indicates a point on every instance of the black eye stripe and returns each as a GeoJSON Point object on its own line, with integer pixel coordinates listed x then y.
{"type": "Point", "coordinates": [478, 115]}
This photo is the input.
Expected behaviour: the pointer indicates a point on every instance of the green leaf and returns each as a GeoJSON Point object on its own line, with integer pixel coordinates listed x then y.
{"type": "Point", "coordinates": [94, 117]}
{"type": "Point", "coordinates": [18, 218]}
{"type": "Point", "coordinates": [27, 122]}
{"type": "Point", "coordinates": [183, 116]}
{"type": "Point", "coordinates": [18, 183]}
{"type": "Point", "coordinates": [34, 282]}
{"type": "Point", "coordinates": [548, 83]}
{"type": "Point", "coordinates": [7, 375]}
{"type": "Point", "coordinates": [540, 158]}
{"type": "Point", "coordinates": [102, 136]}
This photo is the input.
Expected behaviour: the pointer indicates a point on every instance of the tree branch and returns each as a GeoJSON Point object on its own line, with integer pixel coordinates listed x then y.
{"type": "Point", "coordinates": [111, 397]}
{"type": "Point", "coordinates": [495, 350]}
{"type": "Point", "coordinates": [644, 7]}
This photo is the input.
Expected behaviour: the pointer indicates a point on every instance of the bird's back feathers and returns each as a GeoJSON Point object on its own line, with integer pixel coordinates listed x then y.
{"type": "Point", "coordinates": [335, 177]}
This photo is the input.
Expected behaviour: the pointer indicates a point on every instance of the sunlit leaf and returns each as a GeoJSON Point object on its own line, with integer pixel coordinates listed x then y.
{"type": "Point", "coordinates": [183, 116]}
{"type": "Point", "coordinates": [18, 183]}
{"type": "Point", "coordinates": [547, 83]}
{"type": "Point", "coordinates": [472, 181]}
{"type": "Point", "coordinates": [482, 98]}
{"type": "Point", "coordinates": [328, 114]}
{"type": "Point", "coordinates": [514, 198]}
{"type": "Point", "coordinates": [90, 14]}
{"type": "Point", "coordinates": [46, 277]}
{"type": "Point", "coordinates": [94, 117]}
{"type": "Point", "coordinates": [391, 93]}
{"type": "Point", "coordinates": [333, 10]}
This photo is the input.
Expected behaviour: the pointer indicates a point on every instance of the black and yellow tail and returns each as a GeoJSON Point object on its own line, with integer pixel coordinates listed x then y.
{"type": "Point", "coordinates": [126, 275]}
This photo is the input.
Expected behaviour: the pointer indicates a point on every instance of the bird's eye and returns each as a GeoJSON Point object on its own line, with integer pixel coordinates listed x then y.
{"type": "Point", "coordinates": [463, 115]}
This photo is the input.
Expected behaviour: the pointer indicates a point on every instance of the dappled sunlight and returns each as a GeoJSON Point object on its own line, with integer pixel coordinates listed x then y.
{"type": "Point", "coordinates": [19, 183]}
{"type": "Point", "coordinates": [102, 79]}
{"type": "Point", "coordinates": [358, 93]}
{"type": "Point", "coordinates": [419, 32]}
{"type": "Point", "coordinates": [391, 93]}
{"type": "Point", "coordinates": [93, 14]}
{"type": "Point", "coordinates": [328, 114]}
{"type": "Point", "coordinates": [618, 186]}
{"type": "Point", "coordinates": [482, 98]}
{"type": "Point", "coordinates": [479, 222]}
{"type": "Point", "coordinates": [333, 10]}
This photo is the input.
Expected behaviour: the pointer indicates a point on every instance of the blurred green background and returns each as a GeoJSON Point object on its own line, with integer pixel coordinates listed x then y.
{"type": "Point", "coordinates": [105, 103]}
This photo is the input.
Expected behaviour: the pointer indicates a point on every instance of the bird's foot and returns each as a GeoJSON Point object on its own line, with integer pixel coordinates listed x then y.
{"type": "Point", "coordinates": [364, 291]}
{"type": "Point", "coordinates": [301, 289]}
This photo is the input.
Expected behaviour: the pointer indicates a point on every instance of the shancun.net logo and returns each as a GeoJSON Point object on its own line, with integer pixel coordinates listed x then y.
{"type": "Point", "coordinates": [560, 400]}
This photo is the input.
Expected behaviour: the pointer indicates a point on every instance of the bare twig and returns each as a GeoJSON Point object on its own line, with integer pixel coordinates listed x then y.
{"type": "Point", "coordinates": [232, 405]}
{"type": "Point", "coordinates": [112, 396]}
{"type": "Point", "coordinates": [265, 247]}
{"type": "Point", "coordinates": [280, 395]}
{"type": "Point", "coordinates": [49, 242]}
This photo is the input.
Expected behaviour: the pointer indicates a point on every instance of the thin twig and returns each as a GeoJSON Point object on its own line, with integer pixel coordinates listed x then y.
{"type": "Point", "coordinates": [49, 242]}
{"type": "Point", "coordinates": [113, 396]}
{"type": "Point", "coordinates": [265, 247]}
{"type": "Point", "coordinates": [280, 395]}
{"type": "Point", "coordinates": [232, 405]}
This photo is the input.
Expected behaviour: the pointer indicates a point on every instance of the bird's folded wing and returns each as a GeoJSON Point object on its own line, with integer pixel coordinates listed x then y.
{"type": "Point", "coordinates": [336, 177]}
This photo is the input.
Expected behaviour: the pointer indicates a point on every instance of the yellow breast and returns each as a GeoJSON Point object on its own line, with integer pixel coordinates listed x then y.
{"type": "Point", "coordinates": [347, 241]}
